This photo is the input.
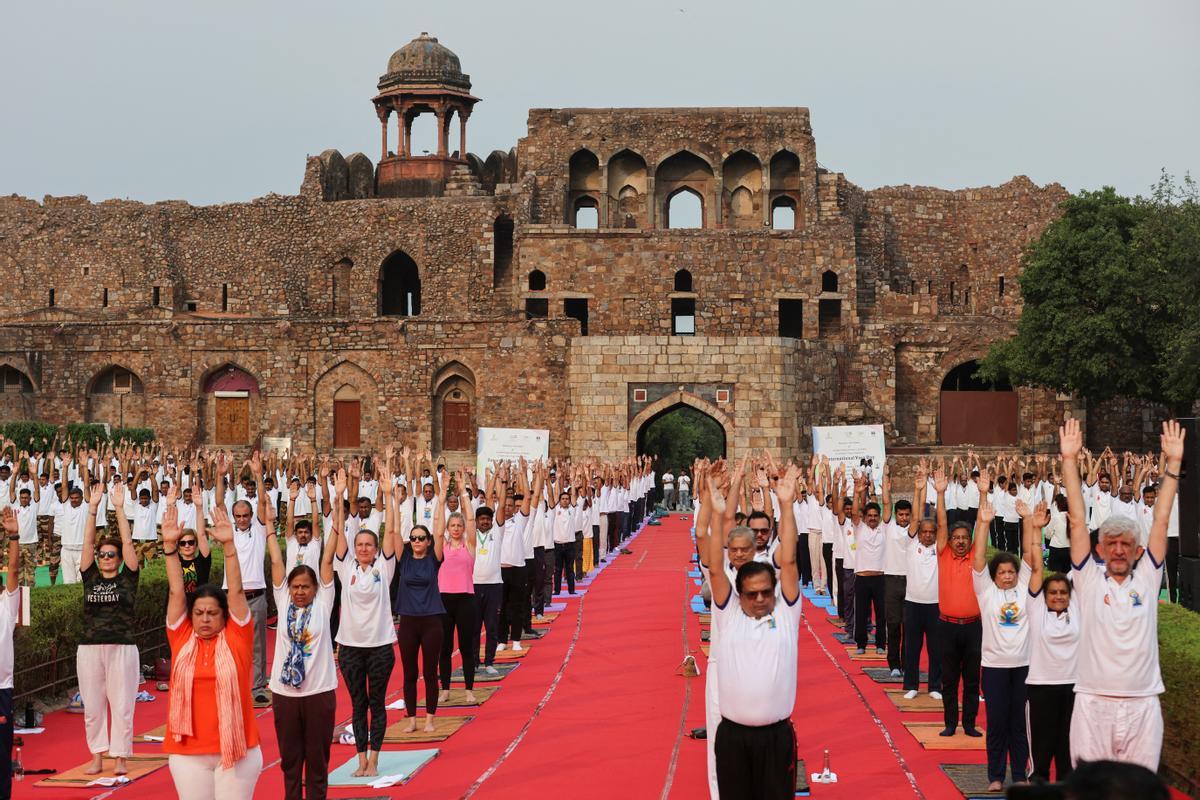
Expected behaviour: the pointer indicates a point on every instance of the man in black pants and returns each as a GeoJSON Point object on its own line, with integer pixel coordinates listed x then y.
{"type": "Point", "coordinates": [870, 542]}
{"type": "Point", "coordinates": [514, 573]}
{"type": "Point", "coordinates": [488, 586]}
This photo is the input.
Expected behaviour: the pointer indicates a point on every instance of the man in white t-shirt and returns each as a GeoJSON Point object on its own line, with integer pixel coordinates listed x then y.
{"type": "Point", "coordinates": [668, 480]}
{"type": "Point", "coordinates": [250, 539]}
{"type": "Point", "coordinates": [685, 492]}
{"type": "Point", "coordinates": [1117, 716]}
{"type": "Point", "coordinates": [758, 619]}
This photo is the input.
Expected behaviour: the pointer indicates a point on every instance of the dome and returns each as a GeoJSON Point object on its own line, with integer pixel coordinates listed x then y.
{"type": "Point", "coordinates": [424, 61]}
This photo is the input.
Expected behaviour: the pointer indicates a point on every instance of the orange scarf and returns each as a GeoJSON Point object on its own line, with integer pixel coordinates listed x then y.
{"type": "Point", "coordinates": [232, 727]}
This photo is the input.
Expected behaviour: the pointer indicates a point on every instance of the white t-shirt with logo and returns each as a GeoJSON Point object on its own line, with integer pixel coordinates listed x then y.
{"type": "Point", "coordinates": [320, 673]}
{"type": "Point", "coordinates": [756, 676]}
{"type": "Point", "coordinates": [921, 567]}
{"type": "Point", "coordinates": [366, 619]}
{"type": "Point", "coordinates": [1053, 641]}
{"type": "Point", "coordinates": [487, 555]}
{"type": "Point", "coordinates": [10, 605]}
{"type": "Point", "coordinates": [1118, 653]}
{"type": "Point", "coordinates": [1005, 616]}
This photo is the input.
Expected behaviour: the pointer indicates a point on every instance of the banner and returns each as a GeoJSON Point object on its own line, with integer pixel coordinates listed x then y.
{"type": "Point", "coordinates": [508, 444]}
{"type": "Point", "coordinates": [859, 447]}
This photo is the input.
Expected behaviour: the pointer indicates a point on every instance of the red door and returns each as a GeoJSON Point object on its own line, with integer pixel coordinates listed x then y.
{"type": "Point", "coordinates": [346, 423]}
{"type": "Point", "coordinates": [456, 425]}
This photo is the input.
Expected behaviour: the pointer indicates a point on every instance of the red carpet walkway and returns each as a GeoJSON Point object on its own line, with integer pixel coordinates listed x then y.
{"type": "Point", "coordinates": [596, 710]}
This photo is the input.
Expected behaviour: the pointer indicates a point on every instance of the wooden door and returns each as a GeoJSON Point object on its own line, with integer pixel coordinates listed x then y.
{"type": "Point", "coordinates": [456, 425]}
{"type": "Point", "coordinates": [979, 418]}
{"type": "Point", "coordinates": [346, 423]}
{"type": "Point", "coordinates": [232, 420]}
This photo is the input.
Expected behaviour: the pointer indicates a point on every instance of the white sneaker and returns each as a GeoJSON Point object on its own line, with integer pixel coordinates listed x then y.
{"type": "Point", "coordinates": [910, 694]}
{"type": "Point", "coordinates": [517, 647]}
{"type": "Point", "coordinates": [500, 647]}
{"type": "Point", "coordinates": [541, 618]}
{"type": "Point", "coordinates": [490, 670]}
{"type": "Point", "coordinates": [936, 695]}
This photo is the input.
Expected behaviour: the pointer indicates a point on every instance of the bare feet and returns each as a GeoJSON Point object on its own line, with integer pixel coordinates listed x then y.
{"type": "Point", "coordinates": [443, 695]}
{"type": "Point", "coordinates": [362, 766]}
{"type": "Point", "coordinates": [372, 768]}
{"type": "Point", "coordinates": [429, 724]}
{"type": "Point", "coordinates": [411, 726]}
{"type": "Point", "coordinates": [97, 765]}
{"type": "Point", "coordinates": [996, 786]}
{"type": "Point", "coordinates": [470, 697]}
{"type": "Point", "coordinates": [121, 768]}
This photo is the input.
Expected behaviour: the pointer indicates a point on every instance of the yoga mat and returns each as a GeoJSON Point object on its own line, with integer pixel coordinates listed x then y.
{"type": "Point", "coordinates": [140, 765]}
{"type": "Point", "coordinates": [694, 573]}
{"type": "Point", "coordinates": [508, 654]}
{"type": "Point", "coordinates": [391, 762]}
{"type": "Point", "coordinates": [697, 605]}
{"type": "Point", "coordinates": [819, 602]}
{"type": "Point", "coordinates": [556, 607]}
{"type": "Point", "coordinates": [843, 637]}
{"type": "Point", "coordinates": [546, 619]}
{"type": "Point", "coordinates": [160, 732]}
{"type": "Point", "coordinates": [971, 780]}
{"type": "Point", "coordinates": [706, 618]}
{"type": "Point", "coordinates": [529, 636]}
{"type": "Point", "coordinates": [458, 696]}
{"type": "Point", "coordinates": [927, 734]}
{"type": "Point", "coordinates": [870, 655]}
{"type": "Point", "coordinates": [802, 788]}
{"type": "Point", "coordinates": [836, 620]}
{"type": "Point", "coordinates": [922, 702]}
{"type": "Point", "coordinates": [483, 677]}
{"type": "Point", "coordinates": [704, 636]}
{"type": "Point", "coordinates": [445, 728]}
{"type": "Point", "coordinates": [883, 675]}
{"type": "Point", "coordinates": [567, 595]}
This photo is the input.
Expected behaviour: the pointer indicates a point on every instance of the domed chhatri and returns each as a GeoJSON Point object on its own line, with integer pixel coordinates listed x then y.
{"type": "Point", "coordinates": [423, 77]}
{"type": "Point", "coordinates": [424, 61]}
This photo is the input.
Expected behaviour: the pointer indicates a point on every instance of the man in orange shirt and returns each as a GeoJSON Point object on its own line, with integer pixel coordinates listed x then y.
{"type": "Point", "coordinates": [959, 626]}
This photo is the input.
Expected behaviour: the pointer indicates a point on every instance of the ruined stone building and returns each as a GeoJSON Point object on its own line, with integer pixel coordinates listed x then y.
{"type": "Point", "coordinates": [425, 295]}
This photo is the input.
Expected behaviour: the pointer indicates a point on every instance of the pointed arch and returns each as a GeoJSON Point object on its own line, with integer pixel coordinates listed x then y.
{"type": "Point", "coordinates": [627, 187]}
{"type": "Point", "coordinates": [340, 418]}
{"type": "Point", "coordinates": [117, 396]}
{"type": "Point", "coordinates": [454, 408]}
{"type": "Point", "coordinates": [17, 393]}
{"type": "Point", "coordinates": [671, 401]}
{"type": "Point", "coordinates": [229, 402]}
{"type": "Point", "coordinates": [742, 179]}
{"type": "Point", "coordinates": [399, 286]}
{"type": "Point", "coordinates": [683, 171]}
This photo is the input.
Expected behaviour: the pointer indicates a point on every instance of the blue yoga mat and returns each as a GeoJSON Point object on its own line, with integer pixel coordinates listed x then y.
{"type": "Point", "coordinates": [698, 604]}
{"type": "Point", "coordinates": [391, 762]}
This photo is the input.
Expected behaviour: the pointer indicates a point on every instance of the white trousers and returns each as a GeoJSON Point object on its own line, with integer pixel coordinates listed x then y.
{"type": "Point", "coordinates": [70, 564]}
{"type": "Point", "coordinates": [108, 679]}
{"type": "Point", "coordinates": [201, 777]}
{"type": "Point", "coordinates": [1117, 729]}
{"type": "Point", "coordinates": [603, 536]}
{"type": "Point", "coordinates": [712, 718]}
{"type": "Point", "coordinates": [815, 556]}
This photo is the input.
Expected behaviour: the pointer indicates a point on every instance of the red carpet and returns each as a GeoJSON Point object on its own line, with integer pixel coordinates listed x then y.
{"type": "Point", "coordinates": [596, 710]}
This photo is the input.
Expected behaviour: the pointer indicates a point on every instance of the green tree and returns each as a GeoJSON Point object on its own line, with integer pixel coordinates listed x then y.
{"type": "Point", "coordinates": [1110, 295]}
{"type": "Point", "coordinates": [681, 436]}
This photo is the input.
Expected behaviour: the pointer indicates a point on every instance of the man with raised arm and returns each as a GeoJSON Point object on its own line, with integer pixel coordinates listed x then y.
{"type": "Point", "coordinates": [758, 618]}
{"type": "Point", "coordinates": [1117, 716]}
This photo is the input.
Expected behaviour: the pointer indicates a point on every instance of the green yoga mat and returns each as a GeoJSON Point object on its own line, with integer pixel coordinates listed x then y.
{"type": "Point", "coordinates": [970, 779]}
{"type": "Point", "coordinates": [502, 667]}
{"type": "Point", "coordinates": [391, 762]}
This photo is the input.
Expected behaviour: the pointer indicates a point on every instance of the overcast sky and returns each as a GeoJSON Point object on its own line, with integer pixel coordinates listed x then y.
{"type": "Point", "coordinates": [220, 101]}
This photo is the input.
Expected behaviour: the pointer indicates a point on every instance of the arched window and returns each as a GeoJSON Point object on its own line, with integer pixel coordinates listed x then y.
{"type": "Point", "coordinates": [116, 396]}
{"type": "Point", "coordinates": [587, 213]}
{"type": "Point", "coordinates": [422, 137]}
{"type": "Point", "coordinates": [683, 281]}
{"type": "Point", "coordinates": [537, 281]}
{"type": "Point", "coordinates": [783, 214]}
{"type": "Point", "coordinates": [976, 411]}
{"type": "Point", "coordinates": [963, 379]}
{"type": "Point", "coordinates": [585, 187]}
{"type": "Point", "coordinates": [502, 250]}
{"type": "Point", "coordinates": [685, 209]}
{"type": "Point", "coordinates": [340, 287]}
{"type": "Point", "coordinates": [230, 388]}
{"type": "Point", "coordinates": [453, 406]}
{"type": "Point", "coordinates": [829, 281]}
{"type": "Point", "coordinates": [399, 286]}
{"type": "Point", "coordinates": [741, 202]}
{"type": "Point", "coordinates": [117, 380]}
{"type": "Point", "coordinates": [627, 183]}
{"type": "Point", "coordinates": [13, 381]}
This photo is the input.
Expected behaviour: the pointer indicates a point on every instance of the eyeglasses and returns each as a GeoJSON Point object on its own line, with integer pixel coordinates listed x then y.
{"type": "Point", "coordinates": [107, 554]}
{"type": "Point", "coordinates": [761, 594]}
{"type": "Point", "coordinates": [419, 539]}
{"type": "Point", "coordinates": [187, 543]}
{"type": "Point", "coordinates": [761, 530]}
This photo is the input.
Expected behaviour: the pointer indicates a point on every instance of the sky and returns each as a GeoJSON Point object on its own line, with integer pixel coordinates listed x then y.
{"type": "Point", "coordinates": [220, 101]}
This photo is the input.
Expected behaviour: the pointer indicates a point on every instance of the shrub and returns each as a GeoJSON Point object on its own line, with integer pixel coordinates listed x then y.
{"type": "Point", "coordinates": [29, 435]}
{"type": "Point", "coordinates": [34, 436]}
{"type": "Point", "coordinates": [133, 435]}
{"type": "Point", "coordinates": [88, 434]}
{"type": "Point", "coordinates": [1179, 660]}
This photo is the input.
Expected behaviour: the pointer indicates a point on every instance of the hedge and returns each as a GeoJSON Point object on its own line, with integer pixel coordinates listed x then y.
{"type": "Point", "coordinates": [1179, 660]}
{"type": "Point", "coordinates": [44, 653]}
{"type": "Point", "coordinates": [34, 436]}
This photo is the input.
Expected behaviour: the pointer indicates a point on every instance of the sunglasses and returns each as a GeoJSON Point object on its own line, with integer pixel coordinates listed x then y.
{"type": "Point", "coordinates": [419, 539]}
{"type": "Point", "coordinates": [107, 554]}
{"type": "Point", "coordinates": [761, 594]}
{"type": "Point", "coordinates": [187, 543]}
{"type": "Point", "coordinates": [761, 530]}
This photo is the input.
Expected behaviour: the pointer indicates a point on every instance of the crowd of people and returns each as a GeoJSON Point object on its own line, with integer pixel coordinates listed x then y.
{"type": "Point", "coordinates": [1065, 652]}
{"type": "Point", "coordinates": [366, 556]}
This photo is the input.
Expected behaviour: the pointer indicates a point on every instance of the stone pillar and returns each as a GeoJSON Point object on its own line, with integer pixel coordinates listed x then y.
{"type": "Point", "coordinates": [765, 194]}
{"type": "Point", "coordinates": [651, 200]}
{"type": "Point", "coordinates": [407, 137]}
{"type": "Point", "coordinates": [442, 120]}
{"type": "Point", "coordinates": [462, 135]}
{"type": "Point", "coordinates": [603, 220]}
{"type": "Point", "coordinates": [383, 119]}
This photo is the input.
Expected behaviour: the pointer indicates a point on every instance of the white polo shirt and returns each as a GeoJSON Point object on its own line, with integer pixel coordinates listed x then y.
{"type": "Point", "coordinates": [144, 519]}
{"type": "Point", "coordinates": [296, 554]}
{"type": "Point", "coordinates": [366, 619]}
{"type": "Point", "coordinates": [487, 555]}
{"type": "Point", "coordinates": [251, 549]}
{"type": "Point", "coordinates": [1119, 655]}
{"type": "Point", "coordinates": [69, 523]}
{"type": "Point", "coordinates": [562, 524]}
{"type": "Point", "coordinates": [1053, 641]}
{"type": "Point", "coordinates": [871, 542]}
{"type": "Point", "coordinates": [10, 606]}
{"type": "Point", "coordinates": [512, 544]}
{"type": "Point", "coordinates": [895, 548]}
{"type": "Point", "coordinates": [1005, 616]}
{"type": "Point", "coordinates": [921, 567]}
{"type": "Point", "coordinates": [26, 522]}
{"type": "Point", "coordinates": [756, 675]}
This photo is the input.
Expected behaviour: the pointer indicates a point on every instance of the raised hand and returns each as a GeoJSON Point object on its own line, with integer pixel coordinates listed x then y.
{"type": "Point", "coordinates": [222, 527]}
{"type": "Point", "coordinates": [1172, 441]}
{"type": "Point", "coordinates": [97, 494]}
{"type": "Point", "coordinates": [116, 496]}
{"type": "Point", "coordinates": [1070, 438]}
{"type": "Point", "coordinates": [11, 526]}
{"type": "Point", "coordinates": [786, 490]}
{"type": "Point", "coordinates": [984, 481]}
{"type": "Point", "coordinates": [1023, 509]}
{"type": "Point", "coordinates": [987, 511]}
{"type": "Point", "coordinates": [339, 484]}
{"type": "Point", "coordinates": [170, 525]}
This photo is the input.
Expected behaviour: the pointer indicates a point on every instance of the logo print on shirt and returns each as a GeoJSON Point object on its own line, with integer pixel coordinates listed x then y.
{"type": "Point", "coordinates": [1010, 614]}
{"type": "Point", "coordinates": [1136, 598]}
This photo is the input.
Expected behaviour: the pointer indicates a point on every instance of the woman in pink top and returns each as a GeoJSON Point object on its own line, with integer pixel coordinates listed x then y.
{"type": "Point", "coordinates": [456, 581]}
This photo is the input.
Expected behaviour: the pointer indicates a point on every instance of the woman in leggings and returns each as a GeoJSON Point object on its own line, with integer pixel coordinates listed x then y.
{"type": "Point", "coordinates": [365, 632]}
{"type": "Point", "coordinates": [420, 606]}
{"type": "Point", "coordinates": [457, 586]}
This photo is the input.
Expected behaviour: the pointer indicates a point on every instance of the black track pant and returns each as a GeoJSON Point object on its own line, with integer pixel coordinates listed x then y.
{"type": "Point", "coordinates": [515, 614]}
{"type": "Point", "coordinates": [1173, 568]}
{"type": "Point", "coordinates": [1004, 688]}
{"type": "Point", "coordinates": [460, 616]}
{"type": "Point", "coordinates": [827, 554]}
{"type": "Point", "coordinates": [894, 587]}
{"type": "Point", "coordinates": [756, 763]}
{"type": "Point", "coordinates": [579, 555]}
{"type": "Point", "coordinates": [868, 594]}
{"type": "Point", "coordinates": [539, 594]}
{"type": "Point", "coordinates": [304, 730]}
{"type": "Point", "coordinates": [804, 560]}
{"type": "Point", "coordinates": [564, 561]}
{"type": "Point", "coordinates": [488, 597]}
{"type": "Point", "coordinates": [366, 671]}
{"type": "Point", "coordinates": [961, 645]}
{"type": "Point", "coordinates": [423, 634]}
{"type": "Point", "coordinates": [921, 624]}
{"type": "Point", "coordinates": [1050, 707]}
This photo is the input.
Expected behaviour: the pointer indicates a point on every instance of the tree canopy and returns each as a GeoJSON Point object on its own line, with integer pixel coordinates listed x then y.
{"type": "Point", "coordinates": [681, 436]}
{"type": "Point", "coordinates": [1111, 292]}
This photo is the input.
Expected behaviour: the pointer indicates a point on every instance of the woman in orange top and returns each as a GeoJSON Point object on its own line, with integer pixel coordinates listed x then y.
{"type": "Point", "coordinates": [211, 737]}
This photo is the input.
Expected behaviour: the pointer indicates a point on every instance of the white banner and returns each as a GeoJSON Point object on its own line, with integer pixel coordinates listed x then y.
{"type": "Point", "coordinates": [508, 444]}
{"type": "Point", "coordinates": [859, 447]}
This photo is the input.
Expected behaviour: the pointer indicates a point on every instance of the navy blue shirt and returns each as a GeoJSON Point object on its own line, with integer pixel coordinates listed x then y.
{"type": "Point", "coordinates": [418, 595]}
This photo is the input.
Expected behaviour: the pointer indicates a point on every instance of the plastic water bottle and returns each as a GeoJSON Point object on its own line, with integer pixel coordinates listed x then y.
{"type": "Point", "coordinates": [18, 767]}
{"type": "Point", "coordinates": [825, 771]}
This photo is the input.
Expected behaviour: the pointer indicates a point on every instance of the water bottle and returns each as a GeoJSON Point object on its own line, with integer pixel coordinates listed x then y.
{"type": "Point", "coordinates": [18, 767]}
{"type": "Point", "coordinates": [826, 774]}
